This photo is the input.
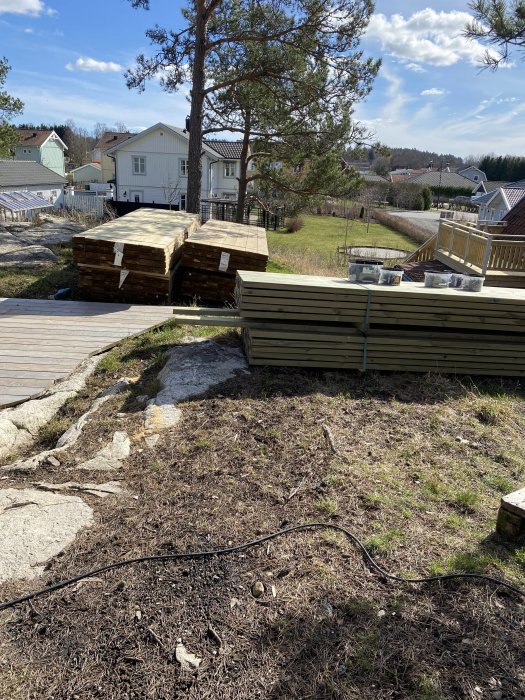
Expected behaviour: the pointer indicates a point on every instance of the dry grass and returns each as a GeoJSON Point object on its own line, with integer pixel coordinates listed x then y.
{"type": "Point", "coordinates": [252, 457]}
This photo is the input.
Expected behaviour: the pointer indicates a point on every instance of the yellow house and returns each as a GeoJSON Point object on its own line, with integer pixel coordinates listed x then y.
{"type": "Point", "coordinates": [107, 164]}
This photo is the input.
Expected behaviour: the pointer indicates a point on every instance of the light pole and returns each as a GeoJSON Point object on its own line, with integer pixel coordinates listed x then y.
{"type": "Point", "coordinates": [447, 164]}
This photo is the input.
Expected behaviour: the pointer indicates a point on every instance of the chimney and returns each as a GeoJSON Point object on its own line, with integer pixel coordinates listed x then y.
{"type": "Point", "coordinates": [35, 133]}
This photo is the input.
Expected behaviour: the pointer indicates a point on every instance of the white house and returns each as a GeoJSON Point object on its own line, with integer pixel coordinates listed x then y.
{"type": "Point", "coordinates": [493, 206]}
{"type": "Point", "coordinates": [152, 167]}
{"type": "Point", "coordinates": [28, 176]}
{"type": "Point", "coordinates": [472, 173]}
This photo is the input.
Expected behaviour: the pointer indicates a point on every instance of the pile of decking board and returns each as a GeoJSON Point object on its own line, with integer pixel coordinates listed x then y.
{"type": "Point", "coordinates": [212, 255]}
{"type": "Point", "coordinates": [133, 258]}
{"type": "Point", "coordinates": [296, 320]}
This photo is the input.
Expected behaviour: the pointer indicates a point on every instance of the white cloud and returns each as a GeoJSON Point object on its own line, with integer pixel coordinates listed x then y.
{"type": "Point", "coordinates": [433, 91]}
{"type": "Point", "coordinates": [29, 31]}
{"type": "Point", "coordinates": [428, 37]}
{"type": "Point", "coordinates": [90, 65]}
{"type": "Point", "coordinates": [415, 68]}
{"type": "Point", "coordinates": [25, 7]}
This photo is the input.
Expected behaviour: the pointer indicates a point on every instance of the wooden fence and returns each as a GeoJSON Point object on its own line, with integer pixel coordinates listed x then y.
{"type": "Point", "coordinates": [91, 205]}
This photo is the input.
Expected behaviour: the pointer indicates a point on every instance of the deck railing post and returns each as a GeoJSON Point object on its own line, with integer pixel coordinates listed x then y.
{"type": "Point", "coordinates": [467, 248]}
{"type": "Point", "coordinates": [486, 257]}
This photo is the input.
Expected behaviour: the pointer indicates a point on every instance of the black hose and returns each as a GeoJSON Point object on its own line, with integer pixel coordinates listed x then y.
{"type": "Point", "coordinates": [247, 545]}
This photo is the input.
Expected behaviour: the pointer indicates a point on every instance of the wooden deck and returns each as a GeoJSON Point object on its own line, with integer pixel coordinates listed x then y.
{"type": "Point", "coordinates": [43, 341]}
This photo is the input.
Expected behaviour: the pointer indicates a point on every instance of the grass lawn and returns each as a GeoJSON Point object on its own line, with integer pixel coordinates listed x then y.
{"type": "Point", "coordinates": [314, 248]}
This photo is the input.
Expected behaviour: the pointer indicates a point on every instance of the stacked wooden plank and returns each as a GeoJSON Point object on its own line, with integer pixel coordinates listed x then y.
{"type": "Point", "coordinates": [325, 322]}
{"type": "Point", "coordinates": [212, 255]}
{"type": "Point", "coordinates": [132, 259]}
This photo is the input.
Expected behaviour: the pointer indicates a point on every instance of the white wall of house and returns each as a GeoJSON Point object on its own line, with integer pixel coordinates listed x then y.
{"type": "Point", "coordinates": [49, 192]}
{"type": "Point", "coordinates": [151, 168]}
{"type": "Point", "coordinates": [224, 183]}
{"type": "Point", "coordinates": [474, 174]}
{"type": "Point", "coordinates": [495, 210]}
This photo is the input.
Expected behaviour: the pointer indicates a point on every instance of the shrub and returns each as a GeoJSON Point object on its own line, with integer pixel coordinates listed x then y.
{"type": "Point", "coordinates": [427, 198]}
{"type": "Point", "coordinates": [419, 203]}
{"type": "Point", "coordinates": [295, 224]}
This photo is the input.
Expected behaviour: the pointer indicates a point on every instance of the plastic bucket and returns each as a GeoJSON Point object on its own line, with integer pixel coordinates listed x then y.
{"type": "Point", "coordinates": [365, 270]}
{"type": "Point", "coordinates": [390, 277]}
{"type": "Point", "coordinates": [472, 283]}
{"type": "Point", "coordinates": [437, 279]}
{"type": "Point", "coordinates": [456, 280]}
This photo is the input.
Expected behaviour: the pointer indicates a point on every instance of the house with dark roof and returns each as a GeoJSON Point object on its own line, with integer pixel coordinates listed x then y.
{"type": "Point", "coordinates": [489, 186]}
{"type": "Point", "coordinates": [515, 220]}
{"type": "Point", "coordinates": [42, 146]}
{"type": "Point", "coordinates": [495, 205]}
{"type": "Point", "coordinates": [28, 176]}
{"type": "Point", "coordinates": [107, 164]}
{"type": "Point", "coordinates": [152, 166]}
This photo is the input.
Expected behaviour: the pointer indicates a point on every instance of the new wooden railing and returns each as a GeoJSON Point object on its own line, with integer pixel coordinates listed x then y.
{"type": "Point", "coordinates": [480, 250]}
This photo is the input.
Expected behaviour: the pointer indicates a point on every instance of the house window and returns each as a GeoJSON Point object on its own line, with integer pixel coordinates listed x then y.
{"type": "Point", "coordinates": [183, 167]}
{"type": "Point", "coordinates": [229, 168]}
{"type": "Point", "coordinates": [476, 178]}
{"type": "Point", "coordinates": [139, 165]}
{"type": "Point", "coordinates": [182, 204]}
{"type": "Point", "coordinates": [27, 150]}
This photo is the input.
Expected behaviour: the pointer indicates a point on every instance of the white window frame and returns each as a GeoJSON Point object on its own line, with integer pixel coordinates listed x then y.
{"type": "Point", "coordinates": [230, 165]}
{"type": "Point", "coordinates": [136, 161]}
{"type": "Point", "coordinates": [183, 167]}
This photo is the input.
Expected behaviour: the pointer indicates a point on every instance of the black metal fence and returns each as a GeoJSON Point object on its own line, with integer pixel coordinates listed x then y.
{"type": "Point", "coordinates": [221, 209]}
{"type": "Point", "coordinates": [254, 214]}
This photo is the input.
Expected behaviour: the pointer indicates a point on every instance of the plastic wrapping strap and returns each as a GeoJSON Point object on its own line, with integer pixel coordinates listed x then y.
{"type": "Point", "coordinates": [367, 312]}
{"type": "Point", "coordinates": [365, 353]}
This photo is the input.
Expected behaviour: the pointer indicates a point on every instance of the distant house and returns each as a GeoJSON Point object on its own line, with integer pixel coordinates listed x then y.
{"type": "Point", "coordinates": [107, 164]}
{"type": "Point", "coordinates": [472, 173]}
{"type": "Point", "coordinates": [42, 146]}
{"type": "Point", "coordinates": [494, 206]}
{"type": "Point", "coordinates": [489, 186]}
{"type": "Point", "coordinates": [28, 176]}
{"type": "Point", "coordinates": [91, 172]}
{"type": "Point", "coordinates": [152, 167]}
{"type": "Point", "coordinates": [435, 178]}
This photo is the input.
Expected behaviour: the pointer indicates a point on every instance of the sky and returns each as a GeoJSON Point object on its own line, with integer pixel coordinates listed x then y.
{"type": "Point", "coordinates": [68, 59]}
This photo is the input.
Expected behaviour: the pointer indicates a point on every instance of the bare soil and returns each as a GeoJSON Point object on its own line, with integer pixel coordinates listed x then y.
{"type": "Point", "coordinates": [414, 465]}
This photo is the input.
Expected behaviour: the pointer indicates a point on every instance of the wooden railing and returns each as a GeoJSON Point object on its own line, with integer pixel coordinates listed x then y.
{"type": "Point", "coordinates": [480, 250]}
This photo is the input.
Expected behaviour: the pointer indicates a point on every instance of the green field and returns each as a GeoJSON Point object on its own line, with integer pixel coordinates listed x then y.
{"type": "Point", "coordinates": [314, 247]}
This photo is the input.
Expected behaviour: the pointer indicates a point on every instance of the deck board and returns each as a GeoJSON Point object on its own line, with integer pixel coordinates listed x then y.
{"type": "Point", "coordinates": [42, 341]}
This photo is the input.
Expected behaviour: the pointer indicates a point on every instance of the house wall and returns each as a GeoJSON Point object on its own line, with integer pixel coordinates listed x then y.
{"type": "Point", "coordinates": [494, 211]}
{"type": "Point", "coordinates": [49, 192]}
{"type": "Point", "coordinates": [28, 153]}
{"type": "Point", "coordinates": [221, 185]}
{"type": "Point", "coordinates": [473, 174]}
{"type": "Point", "coordinates": [52, 156]}
{"type": "Point", "coordinates": [87, 173]}
{"type": "Point", "coordinates": [108, 168]}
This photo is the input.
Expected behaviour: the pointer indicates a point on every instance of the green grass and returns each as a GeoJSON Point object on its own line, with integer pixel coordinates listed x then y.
{"type": "Point", "coordinates": [313, 249]}
{"type": "Point", "coordinates": [40, 282]}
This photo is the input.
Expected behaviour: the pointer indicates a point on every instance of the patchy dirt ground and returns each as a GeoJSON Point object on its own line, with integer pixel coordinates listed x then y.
{"type": "Point", "coordinates": [414, 465]}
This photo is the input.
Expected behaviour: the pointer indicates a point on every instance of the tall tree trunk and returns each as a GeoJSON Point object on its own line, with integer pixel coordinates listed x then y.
{"type": "Point", "coordinates": [243, 169]}
{"type": "Point", "coordinates": [193, 199]}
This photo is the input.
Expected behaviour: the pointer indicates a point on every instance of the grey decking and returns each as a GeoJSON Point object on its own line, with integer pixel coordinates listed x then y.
{"type": "Point", "coordinates": [42, 341]}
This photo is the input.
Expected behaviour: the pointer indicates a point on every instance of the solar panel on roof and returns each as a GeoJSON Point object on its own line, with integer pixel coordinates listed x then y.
{"type": "Point", "coordinates": [22, 201]}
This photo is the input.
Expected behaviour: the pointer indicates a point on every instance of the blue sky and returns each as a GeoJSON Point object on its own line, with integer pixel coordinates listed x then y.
{"type": "Point", "coordinates": [68, 60]}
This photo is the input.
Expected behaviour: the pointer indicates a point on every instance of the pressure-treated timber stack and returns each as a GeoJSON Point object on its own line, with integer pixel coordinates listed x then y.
{"type": "Point", "coordinates": [133, 258]}
{"type": "Point", "coordinates": [295, 320]}
{"type": "Point", "coordinates": [212, 255]}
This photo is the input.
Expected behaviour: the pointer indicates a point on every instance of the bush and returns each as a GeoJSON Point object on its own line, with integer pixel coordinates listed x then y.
{"type": "Point", "coordinates": [419, 203]}
{"type": "Point", "coordinates": [295, 224]}
{"type": "Point", "coordinates": [427, 198]}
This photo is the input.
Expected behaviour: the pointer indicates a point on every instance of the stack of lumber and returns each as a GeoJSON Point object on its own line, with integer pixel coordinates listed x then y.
{"type": "Point", "coordinates": [132, 259]}
{"type": "Point", "coordinates": [295, 320]}
{"type": "Point", "coordinates": [212, 256]}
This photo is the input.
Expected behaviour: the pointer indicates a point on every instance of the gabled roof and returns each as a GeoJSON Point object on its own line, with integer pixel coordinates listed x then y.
{"type": "Point", "coordinates": [27, 173]}
{"type": "Point", "coordinates": [160, 125]}
{"type": "Point", "coordinates": [37, 137]}
{"type": "Point", "coordinates": [97, 166]}
{"type": "Point", "coordinates": [490, 185]}
{"type": "Point", "coordinates": [510, 195]}
{"type": "Point", "coordinates": [515, 219]}
{"type": "Point", "coordinates": [227, 149]}
{"type": "Point", "coordinates": [112, 138]}
{"type": "Point", "coordinates": [464, 169]}
{"type": "Point", "coordinates": [433, 178]}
